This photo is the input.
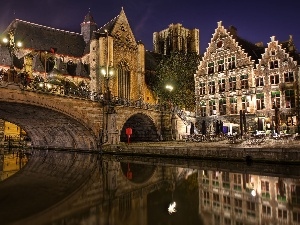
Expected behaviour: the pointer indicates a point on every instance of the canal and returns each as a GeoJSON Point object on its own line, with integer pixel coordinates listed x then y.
{"type": "Point", "coordinates": [58, 187]}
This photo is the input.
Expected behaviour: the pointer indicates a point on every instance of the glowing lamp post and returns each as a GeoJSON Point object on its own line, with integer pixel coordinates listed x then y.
{"type": "Point", "coordinates": [170, 88]}
{"type": "Point", "coordinates": [12, 46]}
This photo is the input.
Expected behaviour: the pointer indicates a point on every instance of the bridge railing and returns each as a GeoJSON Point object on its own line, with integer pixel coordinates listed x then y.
{"type": "Point", "coordinates": [69, 89]}
{"type": "Point", "coordinates": [81, 90]}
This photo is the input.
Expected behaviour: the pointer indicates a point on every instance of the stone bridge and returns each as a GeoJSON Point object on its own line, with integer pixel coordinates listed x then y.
{"type": "Point", "coordinates": [61, 121]}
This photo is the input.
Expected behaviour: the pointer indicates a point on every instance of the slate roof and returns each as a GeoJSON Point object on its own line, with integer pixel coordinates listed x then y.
{"type": "Point", "coordinates": [42, 38]}
{"type": "Point", "coordinates": [254, 51]}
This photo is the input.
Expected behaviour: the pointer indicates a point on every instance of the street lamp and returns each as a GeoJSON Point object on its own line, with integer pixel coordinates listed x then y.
{"type": "Point", "coordinates": [12, 46]}
{"type": "Point", "coordinates": [107, 73]}
{"type": "Point", "coordinates": [170, 88]}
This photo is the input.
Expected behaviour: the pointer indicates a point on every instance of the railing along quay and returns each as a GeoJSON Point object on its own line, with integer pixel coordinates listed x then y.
{"type": "Point", "coordinates": [236, 153]}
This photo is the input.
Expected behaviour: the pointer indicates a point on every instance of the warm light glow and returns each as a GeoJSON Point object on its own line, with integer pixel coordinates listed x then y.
{"type": "Point", "coordinates": [103, 71]}
{"type": "Point", "coordinates": [49, 86]}
{"type": "Point", "coordinates": [19, 44]}
{"type": "Point", "coordinates": [253, 193]}
{"type": "Point", "coordinates": [169, 87]}
{"type": "Point", "coordinates": [171, 208]}
{"type": "Point", "coordinates": [5, 40]}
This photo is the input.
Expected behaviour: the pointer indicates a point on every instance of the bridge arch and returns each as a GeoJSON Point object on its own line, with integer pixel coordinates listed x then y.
{"type": "Point", "coordinates": [50, 120]}
{"type": "Point", "coordinates": [143, 128]}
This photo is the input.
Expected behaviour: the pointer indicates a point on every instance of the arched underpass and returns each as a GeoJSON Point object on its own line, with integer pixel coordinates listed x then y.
{"type": "Point", "coordinates": [143, 129]}
{"type": "Point", "coordinates": [48, 128]}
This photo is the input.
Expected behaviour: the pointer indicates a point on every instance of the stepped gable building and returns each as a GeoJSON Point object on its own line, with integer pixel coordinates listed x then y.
{"type": "Point", "coordinates": [176, 38]}
{"type": "Point", "coordinates": [80, 58]}
{"type": "Point", "coordinates": [261, 83]}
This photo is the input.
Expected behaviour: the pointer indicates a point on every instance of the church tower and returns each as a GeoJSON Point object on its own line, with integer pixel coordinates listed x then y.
{"type": "Point", "coordinates": [88, 26]}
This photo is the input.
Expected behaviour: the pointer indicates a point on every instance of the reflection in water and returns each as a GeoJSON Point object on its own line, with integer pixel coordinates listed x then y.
{"type": "Point", "coordinates": [132, 191]}
{"type": "Point", "coordinates": [10, 163]}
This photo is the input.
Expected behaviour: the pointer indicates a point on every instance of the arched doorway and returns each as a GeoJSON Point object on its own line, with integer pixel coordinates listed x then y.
{"type": "Point", "coordinates": [143, 129]}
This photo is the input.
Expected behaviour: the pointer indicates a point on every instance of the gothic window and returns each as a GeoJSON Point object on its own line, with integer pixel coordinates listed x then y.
{"type": "Point", "coordinates": [202, 89]}
{"type": "Point", "coordinates": [231, 63]}
{"type": "Point", "coordinates": [222, 106]}
{"type": "Point", "coordinates": [244, 81]}
{"type": "Point", "coordinates": [233, 105]}
{"type": "Point", "coordinates": [274, 79]}
{"type": "Point", "coordinates": [221, 85]}
{"type": "Point", "coordinates": [260, 103]}
{"type": "Point", "coordinates": [123, 81]}
{"type": "Point", "coordinates": [290, 99]}
{"type": "Point", "coordinates": [232, 83]}
{"type": "Point", "coordinates": [289, 76]}
{"type": "Point", "coordinates": [211, 68]}
{"type": "Point", "coordinates": [211, 87]}
{"type": "Point", "coordinates": [212, 107]}
{"type": "Point", "coordinates": [220, 65]}
{"type": "Point", "coordinates": [259, 81]}
{"type": "Point", "coordinates": [273, 64]}
{"type": "Point", "coordinates": [275, 99]}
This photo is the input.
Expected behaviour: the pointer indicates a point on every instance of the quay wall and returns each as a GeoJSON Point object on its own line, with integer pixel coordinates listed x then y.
{"type": "Point", "coordinates": [258, 154]}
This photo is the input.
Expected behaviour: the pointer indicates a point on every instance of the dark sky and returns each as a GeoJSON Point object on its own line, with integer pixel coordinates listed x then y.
{"type": "Point", "coordinates": [255, 20]}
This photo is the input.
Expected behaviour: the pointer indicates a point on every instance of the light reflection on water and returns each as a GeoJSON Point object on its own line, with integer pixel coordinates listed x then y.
{"type": "Point", "coordinates": [11, 162]}
{"type": "Point", "coordinates": [138, 191]}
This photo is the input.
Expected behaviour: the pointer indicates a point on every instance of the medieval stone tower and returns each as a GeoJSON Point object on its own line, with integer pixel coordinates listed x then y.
{"type": "Point", "coordinates": [176, 38]}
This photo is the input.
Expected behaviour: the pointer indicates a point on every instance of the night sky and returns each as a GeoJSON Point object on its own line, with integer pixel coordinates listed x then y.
{"type": "Point", "coordinates": [255, 20]}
